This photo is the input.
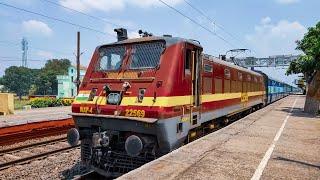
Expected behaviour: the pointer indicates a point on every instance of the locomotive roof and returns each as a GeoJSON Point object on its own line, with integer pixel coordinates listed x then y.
{"type": "Point", "coordinates": [174, 40]}
{"type": "Point", "coordinates": [168, 39]}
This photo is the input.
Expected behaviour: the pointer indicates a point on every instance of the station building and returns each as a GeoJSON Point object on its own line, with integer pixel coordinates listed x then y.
{"type": "Point", "coordinates": [67, 87]}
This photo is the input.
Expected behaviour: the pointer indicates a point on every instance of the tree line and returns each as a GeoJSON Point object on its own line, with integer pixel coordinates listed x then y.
{"type": "Point", "coordinates": [28, 81]}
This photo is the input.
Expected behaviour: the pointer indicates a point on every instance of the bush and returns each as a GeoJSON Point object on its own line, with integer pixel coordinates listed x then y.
{"type": "Point", "coordinates": [45, 102]}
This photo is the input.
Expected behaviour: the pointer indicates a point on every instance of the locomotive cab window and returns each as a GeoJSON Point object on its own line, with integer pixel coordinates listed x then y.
{"type": "Point", "coordinates": [111, 58]}
{"type": "Point", "coordinates": [146, 55]}
{"type": "Point", "coordinates": [207, 68]}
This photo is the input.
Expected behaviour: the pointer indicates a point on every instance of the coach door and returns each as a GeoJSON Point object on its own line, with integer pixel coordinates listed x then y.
{"type": "Point", "coordinates": [196, 62]}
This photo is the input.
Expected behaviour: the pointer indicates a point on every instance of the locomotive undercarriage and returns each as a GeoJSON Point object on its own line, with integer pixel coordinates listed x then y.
{"type": "Point", "coordinates": [106, 152]}
{"type": "Point", "coordinates": [112, 150]}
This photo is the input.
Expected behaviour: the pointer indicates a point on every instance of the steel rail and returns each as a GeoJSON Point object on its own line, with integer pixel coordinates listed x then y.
{"type": "Point", "coordinates": [20, 148]}
{"type": "Point", "coordinates": [37, 156]}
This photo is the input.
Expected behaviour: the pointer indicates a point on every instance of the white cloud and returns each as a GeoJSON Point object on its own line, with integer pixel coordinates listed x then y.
{"type": "Point", "coordinates": [109, 5]}
{"type": "Point", "coordinates": [36, 27]}
{"type": "Point", "coordinates": [110, 30]}
{"type": "Point", "coordinates": [152, 3]}
{"type": "Point", "coordinates": [133, 34]}
{"type": "Point", "coordinates": [45, 54]}
{"type": "Point", "coordinates": [287, 1]}
{"type": "Point", "coordinates": [275, 38]}
{"type": "Point", "coordinates": [266, 20]}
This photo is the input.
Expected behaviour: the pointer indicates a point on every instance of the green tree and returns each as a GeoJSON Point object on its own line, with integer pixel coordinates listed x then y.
{"type": "Point", "coordinates": [46, 82]}
{"type": "Point", "coordinates": [309, 65]}
{"type": "Point", "coordinates": [18, 79]}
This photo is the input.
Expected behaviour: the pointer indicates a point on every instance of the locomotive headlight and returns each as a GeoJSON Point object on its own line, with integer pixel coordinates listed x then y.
{"type": "Point", "coordinates": [141, 94]}
{"type": "Point", "coordinates": [114, 98]}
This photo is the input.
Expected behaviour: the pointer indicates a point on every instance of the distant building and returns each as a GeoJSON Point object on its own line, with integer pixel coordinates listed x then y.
{"type": "Point", "coordinates": [66, 83]}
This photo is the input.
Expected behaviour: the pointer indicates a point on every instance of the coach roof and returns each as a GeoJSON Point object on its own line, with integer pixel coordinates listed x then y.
{"type": "Point", "coordinates": [225, 63]}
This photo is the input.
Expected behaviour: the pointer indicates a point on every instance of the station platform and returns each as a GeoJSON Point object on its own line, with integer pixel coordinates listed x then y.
{"type": "Point", "coordinates": [35, 115]}
{"type": "Point", "coordinates": [276, 142]}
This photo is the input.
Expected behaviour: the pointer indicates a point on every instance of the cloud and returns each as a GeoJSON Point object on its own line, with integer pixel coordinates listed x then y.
{"type": "Point", "coordinates": [133, 34]}
{"type": "Point", "coordinates": [110, 30]}
{"type": "Point", "coordinates": [275, 38]}
{"type": "Point", "coordinates": [265, 20]}
{"type": "Point", "coordinates": [45, 54]}
{"type": "Point", "coordinates": [112, 5]}
{"type": "Point", "coordinates": [287, 1]}
{"type": "Point", "coordinates": [36, 27]}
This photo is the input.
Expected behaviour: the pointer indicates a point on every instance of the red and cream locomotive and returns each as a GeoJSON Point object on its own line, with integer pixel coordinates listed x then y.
{"type": "Point", "coordinates": [144, 97]}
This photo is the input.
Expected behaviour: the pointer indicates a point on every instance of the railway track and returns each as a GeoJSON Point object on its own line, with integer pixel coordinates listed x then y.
{"type": "Point", "coordinates": [28, 153]}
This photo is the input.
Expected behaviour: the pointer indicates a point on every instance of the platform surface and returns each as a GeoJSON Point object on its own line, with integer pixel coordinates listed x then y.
{"type": "Point", "coordinates": [276, 142]}
{"type": "Point", "coordinates": [35, 115]}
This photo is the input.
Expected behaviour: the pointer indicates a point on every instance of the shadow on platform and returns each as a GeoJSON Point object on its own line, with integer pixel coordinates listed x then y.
{"type": "Point", "coordinates": [298, 112]}
{"type": "Point", "coordinates": [298, 162]}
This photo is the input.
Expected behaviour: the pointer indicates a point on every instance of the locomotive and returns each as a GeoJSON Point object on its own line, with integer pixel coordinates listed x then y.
{"type": "Point", "coordinates": [144, 97]}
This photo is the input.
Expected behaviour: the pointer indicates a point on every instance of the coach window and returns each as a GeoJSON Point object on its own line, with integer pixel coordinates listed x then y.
{"type": "Point", "coordinates": [187, 62]}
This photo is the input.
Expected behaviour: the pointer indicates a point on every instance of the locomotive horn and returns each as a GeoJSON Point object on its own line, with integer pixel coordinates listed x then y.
{"type": "Point", "coordinates": [73, 136]}
{"type": "Point", "coordinates": [133, 145]}
{"type": "Point", "coordinates": [121, 34]}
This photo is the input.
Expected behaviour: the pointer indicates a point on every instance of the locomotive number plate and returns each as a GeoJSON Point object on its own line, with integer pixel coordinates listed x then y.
{"type": "Point", "coordinates": [135, 113]}
{"type": "Point", "coordinates": [86, 110]}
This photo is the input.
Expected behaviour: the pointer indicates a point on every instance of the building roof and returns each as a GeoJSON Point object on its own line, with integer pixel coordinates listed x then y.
{"type": "Point", "coordinates": [81, 67]}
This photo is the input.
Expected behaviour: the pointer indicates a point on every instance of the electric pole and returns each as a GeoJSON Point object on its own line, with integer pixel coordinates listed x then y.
{"type": "Point", "coordinates": [78, 61]}
{"type": "Point", "coordinates": [24, 46]}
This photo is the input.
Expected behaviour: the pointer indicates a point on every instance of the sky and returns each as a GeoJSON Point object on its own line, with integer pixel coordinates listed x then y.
{"type": "Point", "coordinates": [266, 27]}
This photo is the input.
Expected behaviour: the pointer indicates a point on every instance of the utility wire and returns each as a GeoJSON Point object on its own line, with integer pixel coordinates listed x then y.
{"type": "Point", "coordinates": [18, 60]}
{"type": "Point", "coordinates": [31, 47]}
{"type": "Point", "coordinates": [88, 15]}
{"type": "Point", "coordinates": [194, 21]}
{"type": "Point", "coordinates": [56, 19]}
{"type": "Point", "coordinates": [213, 21]}
{"type": "Point", "coordinates": [11, 58]}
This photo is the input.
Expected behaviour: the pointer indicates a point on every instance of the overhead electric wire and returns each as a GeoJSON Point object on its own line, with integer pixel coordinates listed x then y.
{"type": "Point", "coordinates": [19, 60]}
{"type": "Point", "coordinates": [194, 21]}
{"type": "Point", "coordinates": [31, 47]}
{"type": "Point", "coordinates": [57, 19]}
{"type": "Point", "coordinates": [213, 21]}
{"type": "Point", "coordinates": [12, 58]}
{"type": "Point", "coordinates": [88, 15]}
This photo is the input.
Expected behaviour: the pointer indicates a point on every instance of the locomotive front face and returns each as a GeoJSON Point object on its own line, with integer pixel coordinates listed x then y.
{"type": "Point", "coordinates": [122, 111]}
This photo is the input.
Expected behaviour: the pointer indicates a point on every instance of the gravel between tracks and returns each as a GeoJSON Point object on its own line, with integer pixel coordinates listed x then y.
{"type": "Point", "coordinates": [64, 165]}
{"type": "Point", "coordinates": [31, 141]}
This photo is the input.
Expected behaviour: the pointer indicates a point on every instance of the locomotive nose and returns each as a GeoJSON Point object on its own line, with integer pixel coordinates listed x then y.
{"type": "Point", "coordinates": [133, 145]}
{"type": "Point", "coordinates": [73, 136]}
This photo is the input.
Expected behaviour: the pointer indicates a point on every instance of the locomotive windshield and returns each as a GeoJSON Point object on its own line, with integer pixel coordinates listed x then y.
{"type": "Point", "coordinates": [111, 58]}
{"type": "Point", "coordinates": [146, 55]}
{"type": "Point", "coordinates": [143, 55]}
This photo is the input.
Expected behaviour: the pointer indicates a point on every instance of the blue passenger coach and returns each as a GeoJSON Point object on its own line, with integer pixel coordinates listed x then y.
{"type": "Point", "coordinates": [275, 89]}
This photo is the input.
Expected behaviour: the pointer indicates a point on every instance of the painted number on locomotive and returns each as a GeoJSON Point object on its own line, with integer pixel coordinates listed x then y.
{"type": "Point", "coordinates": [244, 97]}
{"type": "Point", "coordinates": [135, 113]}
{"type": "Point", "coordinates": [86, 110]}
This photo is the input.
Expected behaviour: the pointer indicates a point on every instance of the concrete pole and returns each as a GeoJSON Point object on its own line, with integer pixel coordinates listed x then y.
{"type": "Point", "coordinates": [78, 61]}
